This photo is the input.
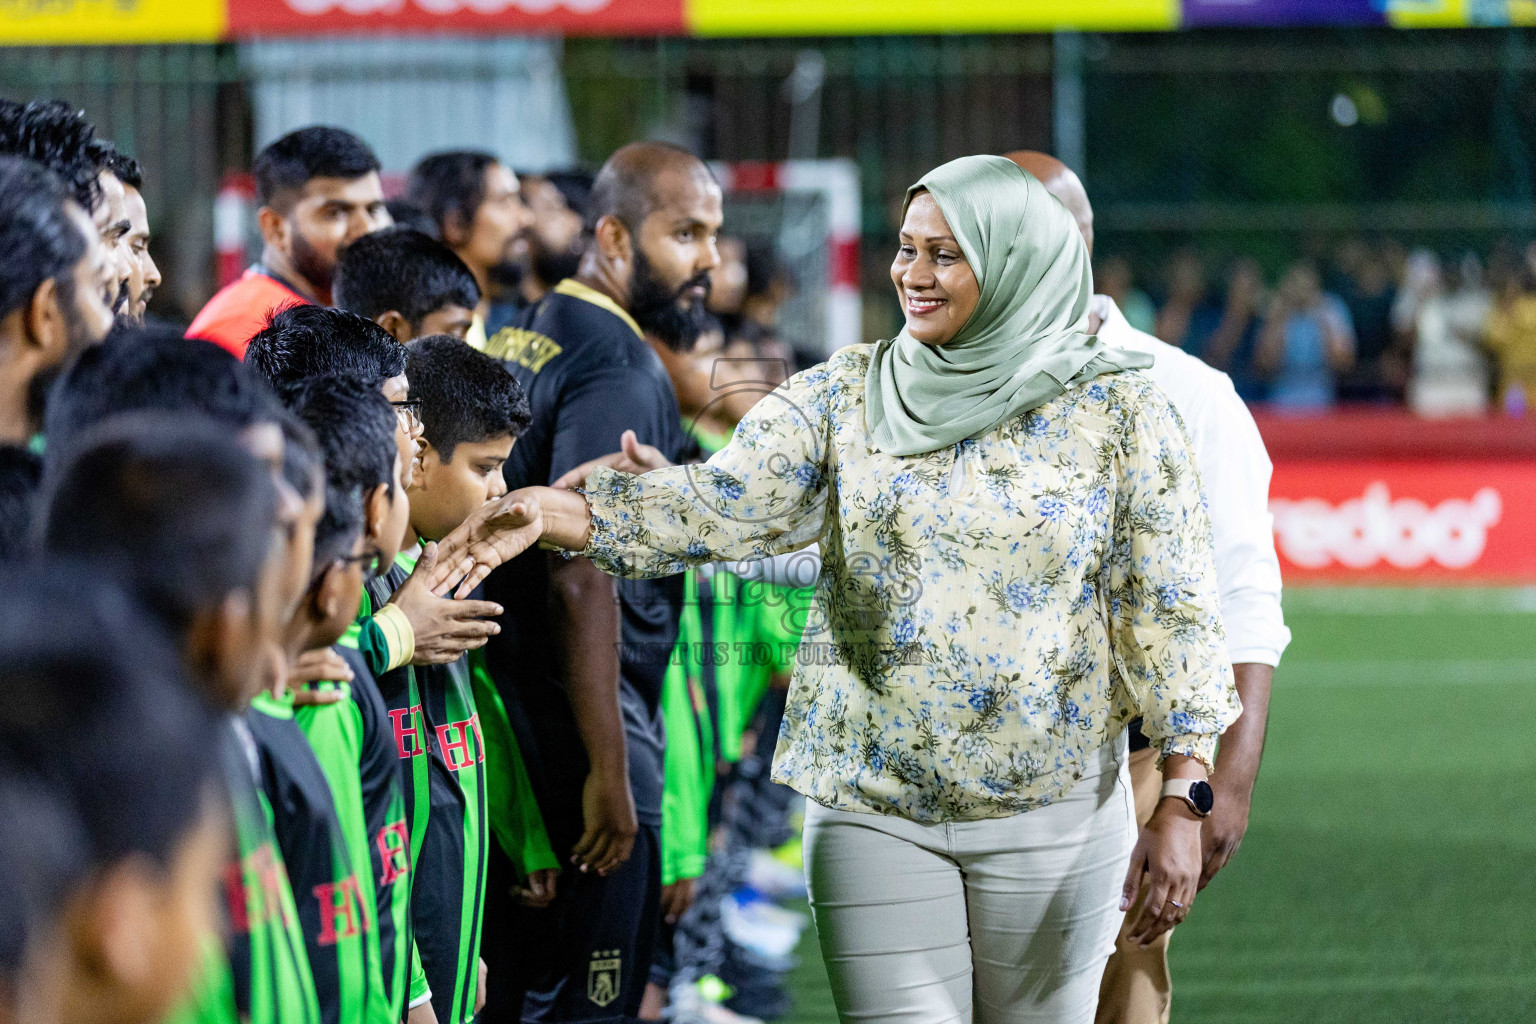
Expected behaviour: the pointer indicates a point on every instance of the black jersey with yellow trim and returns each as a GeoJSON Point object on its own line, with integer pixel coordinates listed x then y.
{"type": "Point", "coordinates": [590, 375]}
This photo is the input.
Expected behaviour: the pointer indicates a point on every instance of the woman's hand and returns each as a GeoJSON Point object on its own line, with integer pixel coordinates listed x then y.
{"type": "Point", "coordinates": [632, 457]}
{"type": "Point", "coordinates": [498, 532]}
{"type": "Point", "coordinates": [1168, 851]}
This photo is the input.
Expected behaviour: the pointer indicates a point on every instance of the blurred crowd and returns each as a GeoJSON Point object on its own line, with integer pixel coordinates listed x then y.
{"type": "Point", "coordinates": [1442, 333]}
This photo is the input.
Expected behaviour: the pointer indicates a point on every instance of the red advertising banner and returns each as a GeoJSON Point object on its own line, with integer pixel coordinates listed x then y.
{"type": "Point", "coordinates": [1381, 521]}
{"type": "Point", "coordinates": [575, 17]}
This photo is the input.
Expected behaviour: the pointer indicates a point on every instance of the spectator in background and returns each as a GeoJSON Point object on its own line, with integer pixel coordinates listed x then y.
{"type": "Point", "coordinates": [477, 210]}
{"type": "Point", "coordinates": [1186, 295]}
{"type": "Point", "coordinates": [1367, 291]}
{"type": "Point", "coordinates": [728, 283]}
{"type": "Point", "coordinates": [318, 191]}
{"type": "Point", "coordinates": [1113, 277]}
{"type": "Point", "coordinates": [1230, 344]}
{"type": "Point", "coordinates": [1511, 335]}
{"type": "Point", "coordinates": [768, 287]}
{"type": "Point", "coordinates": [1440, 318]}
{"type": "Point", "coordinates": [1307, 340]}
{"type": "Point", "coordinates": [558, 204]}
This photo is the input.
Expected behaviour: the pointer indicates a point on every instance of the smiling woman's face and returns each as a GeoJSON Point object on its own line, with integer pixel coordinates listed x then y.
{"type": "Point", "coordinates": [935, 283]}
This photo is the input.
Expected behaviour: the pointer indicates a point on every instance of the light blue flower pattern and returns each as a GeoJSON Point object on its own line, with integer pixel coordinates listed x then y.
{"type": "Point", "coordinates": [981, 627]}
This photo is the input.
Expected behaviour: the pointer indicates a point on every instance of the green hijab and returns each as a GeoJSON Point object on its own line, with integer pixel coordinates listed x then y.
{"type": "Point", "coordinates": [1027, 340]}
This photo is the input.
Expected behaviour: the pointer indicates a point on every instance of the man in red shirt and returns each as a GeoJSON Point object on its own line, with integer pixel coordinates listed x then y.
{"type": "Point", "coordinates": [319, 191]}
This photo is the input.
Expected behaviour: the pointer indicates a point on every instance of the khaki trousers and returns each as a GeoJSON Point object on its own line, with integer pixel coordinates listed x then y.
{"type": "Point", "coordinates": [1003, 921]}
{"type": "Point", "coordinates": [1137, 988]}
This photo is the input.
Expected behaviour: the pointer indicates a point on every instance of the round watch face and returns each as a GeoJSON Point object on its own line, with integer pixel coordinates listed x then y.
{"type": "Point", "coordinates": [1202, 797]}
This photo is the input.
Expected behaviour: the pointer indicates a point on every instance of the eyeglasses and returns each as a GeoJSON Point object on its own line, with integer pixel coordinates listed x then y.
{"type": "Point", "coordinates": [371, 562]}
{"type": "Point", "coordinates": [409, 411]}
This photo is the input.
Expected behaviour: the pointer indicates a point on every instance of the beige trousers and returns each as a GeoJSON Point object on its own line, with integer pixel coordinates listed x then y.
{"type": "Point", "coordinates": [1003, 921]}
{"type": "Point", "coordinates": [1137, 987]}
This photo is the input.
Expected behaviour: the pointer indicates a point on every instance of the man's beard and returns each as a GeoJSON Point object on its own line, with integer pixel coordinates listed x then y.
{"type": "Point", "coordinates": [553, 267]}
{"type": "Point", "coordinates": [662, 313]}
{"type": "Point", "coordinates": [507, 275]}
{"type": "Point", "coordinates": [310, 265]}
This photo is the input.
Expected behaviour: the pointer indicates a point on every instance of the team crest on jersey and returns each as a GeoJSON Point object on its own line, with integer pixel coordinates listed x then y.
{"type": "Point", "coordinates": [603, 976]}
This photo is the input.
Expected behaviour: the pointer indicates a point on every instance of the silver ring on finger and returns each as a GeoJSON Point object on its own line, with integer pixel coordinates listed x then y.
{"type": "Point", "coordinates": [1177, 904]}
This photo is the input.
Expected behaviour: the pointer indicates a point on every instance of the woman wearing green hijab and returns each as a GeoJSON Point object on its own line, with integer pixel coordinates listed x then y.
{"type": "Point", "coordinates": [1015, 563]}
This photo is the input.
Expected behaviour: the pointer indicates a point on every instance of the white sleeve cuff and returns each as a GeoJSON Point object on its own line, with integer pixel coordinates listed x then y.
{"type": "Point", "coordinates": [425, 997]}
{"type": "Point", "coordinates": [1254, 655]}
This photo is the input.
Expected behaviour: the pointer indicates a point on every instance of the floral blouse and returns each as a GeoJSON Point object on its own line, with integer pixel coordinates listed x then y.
{"type": "Point", "coordinates": [988, 615]}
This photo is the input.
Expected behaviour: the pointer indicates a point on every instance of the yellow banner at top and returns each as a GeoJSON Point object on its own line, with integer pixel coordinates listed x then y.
{"type": "Point", "coordinates": [1459, 13]}
{"type": "Point", "coordinates": [862, 17]}
{"type": "Point", "coordinates": [41, 22]}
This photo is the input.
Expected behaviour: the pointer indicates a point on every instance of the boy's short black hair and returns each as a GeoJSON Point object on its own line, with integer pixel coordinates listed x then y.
{"type": "Point", "coordinates": [21, 471]}
{"type": "Point", "coordinates": [339, 527]}
{"type": "Point", "coordinates": [449, 183]}
{"type": "Point", "coordinates": [466, 396]}
{"type": "Point", "coordinates": [38, 240]}
{"type": "Point", "coordinates": [57, 136]}
{"type": "Point", "coordinates": [96, 711]}
{"type": "Point", "coordinates": [319, 151]}
{"type": "Point", "coordinates": [154, 368]}
{"type": "Point", "coordinates": [312, 341]}
{"type": "Point", "coordinates": [355, 426]}
{"type": "Point", "coordinates": [303, 462]}
{"type": "Point", "coordinates": [402, 270]}
{"type": "Point", "coordinates": [168, 501]}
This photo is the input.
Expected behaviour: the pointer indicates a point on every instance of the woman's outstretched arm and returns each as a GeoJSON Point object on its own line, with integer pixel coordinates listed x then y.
{"type": "Point", "coordinates": [763, 494]}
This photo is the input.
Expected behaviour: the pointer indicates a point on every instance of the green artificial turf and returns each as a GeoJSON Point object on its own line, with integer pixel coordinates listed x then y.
{"type": "Point", "coordinates": [1389, 873]}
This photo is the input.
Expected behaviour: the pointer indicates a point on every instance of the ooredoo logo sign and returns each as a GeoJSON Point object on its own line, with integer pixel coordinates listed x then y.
{"type": "Point", "coordinates": [573, 16]}
{"type": "Point", "coordinates": [1405, 532]}
{"type": "Point", "coordinates": [1470, 521]}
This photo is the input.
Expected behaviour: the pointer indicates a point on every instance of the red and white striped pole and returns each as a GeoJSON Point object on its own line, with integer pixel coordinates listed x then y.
{"type": "Point", "coordinates": [233, 212]}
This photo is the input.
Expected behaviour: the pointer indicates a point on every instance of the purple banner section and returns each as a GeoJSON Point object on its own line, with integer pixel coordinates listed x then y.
{"type": "Point", "coordinates": [1283, 12]}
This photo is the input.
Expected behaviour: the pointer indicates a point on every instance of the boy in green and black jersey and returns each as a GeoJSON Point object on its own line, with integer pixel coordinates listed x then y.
{"type": "Point", "coordinates": [472, 411]}
{"type": "Point", "coordinates": [322, 822]}
{"type": "Point", "coordinates": [352, 736]}
{"type": "Point", "coordinates": [205, 540]}
{"type": "Point", "coordinates": [196, 559]}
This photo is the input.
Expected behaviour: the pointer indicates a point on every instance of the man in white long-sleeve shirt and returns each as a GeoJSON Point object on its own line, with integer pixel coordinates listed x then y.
{"type": "Point", "coordinates": [1235, 471]}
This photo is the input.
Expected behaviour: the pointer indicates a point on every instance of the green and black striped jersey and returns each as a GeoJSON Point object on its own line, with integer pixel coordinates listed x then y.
{"type": "Point", "coordinates": [335, 902]}
{"type": "Point", "coordinates": [402, 703]}
{"type": "Point", "coordinates": [448, 894]}
{"type": "Point", "coordinates": [512, 809]}
{"type": "Point", "coordinates": [355, 745]}
{"type": "Point", "coordinates": [262, 975]}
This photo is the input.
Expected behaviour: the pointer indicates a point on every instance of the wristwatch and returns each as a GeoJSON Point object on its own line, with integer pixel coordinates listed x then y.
{"type": "Point", "coordinates": [1195, 792]}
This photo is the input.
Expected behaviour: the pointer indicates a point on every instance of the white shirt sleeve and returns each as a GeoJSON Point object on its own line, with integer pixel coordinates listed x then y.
{"type": "Point", "coordinates": [1234, 473]}
{"type": "Point", "coordinates": [1235, 470]}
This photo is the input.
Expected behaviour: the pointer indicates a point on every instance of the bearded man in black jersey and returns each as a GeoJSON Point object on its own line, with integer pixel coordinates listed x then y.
{"type": "Point", "coordinates": [580, 670]}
